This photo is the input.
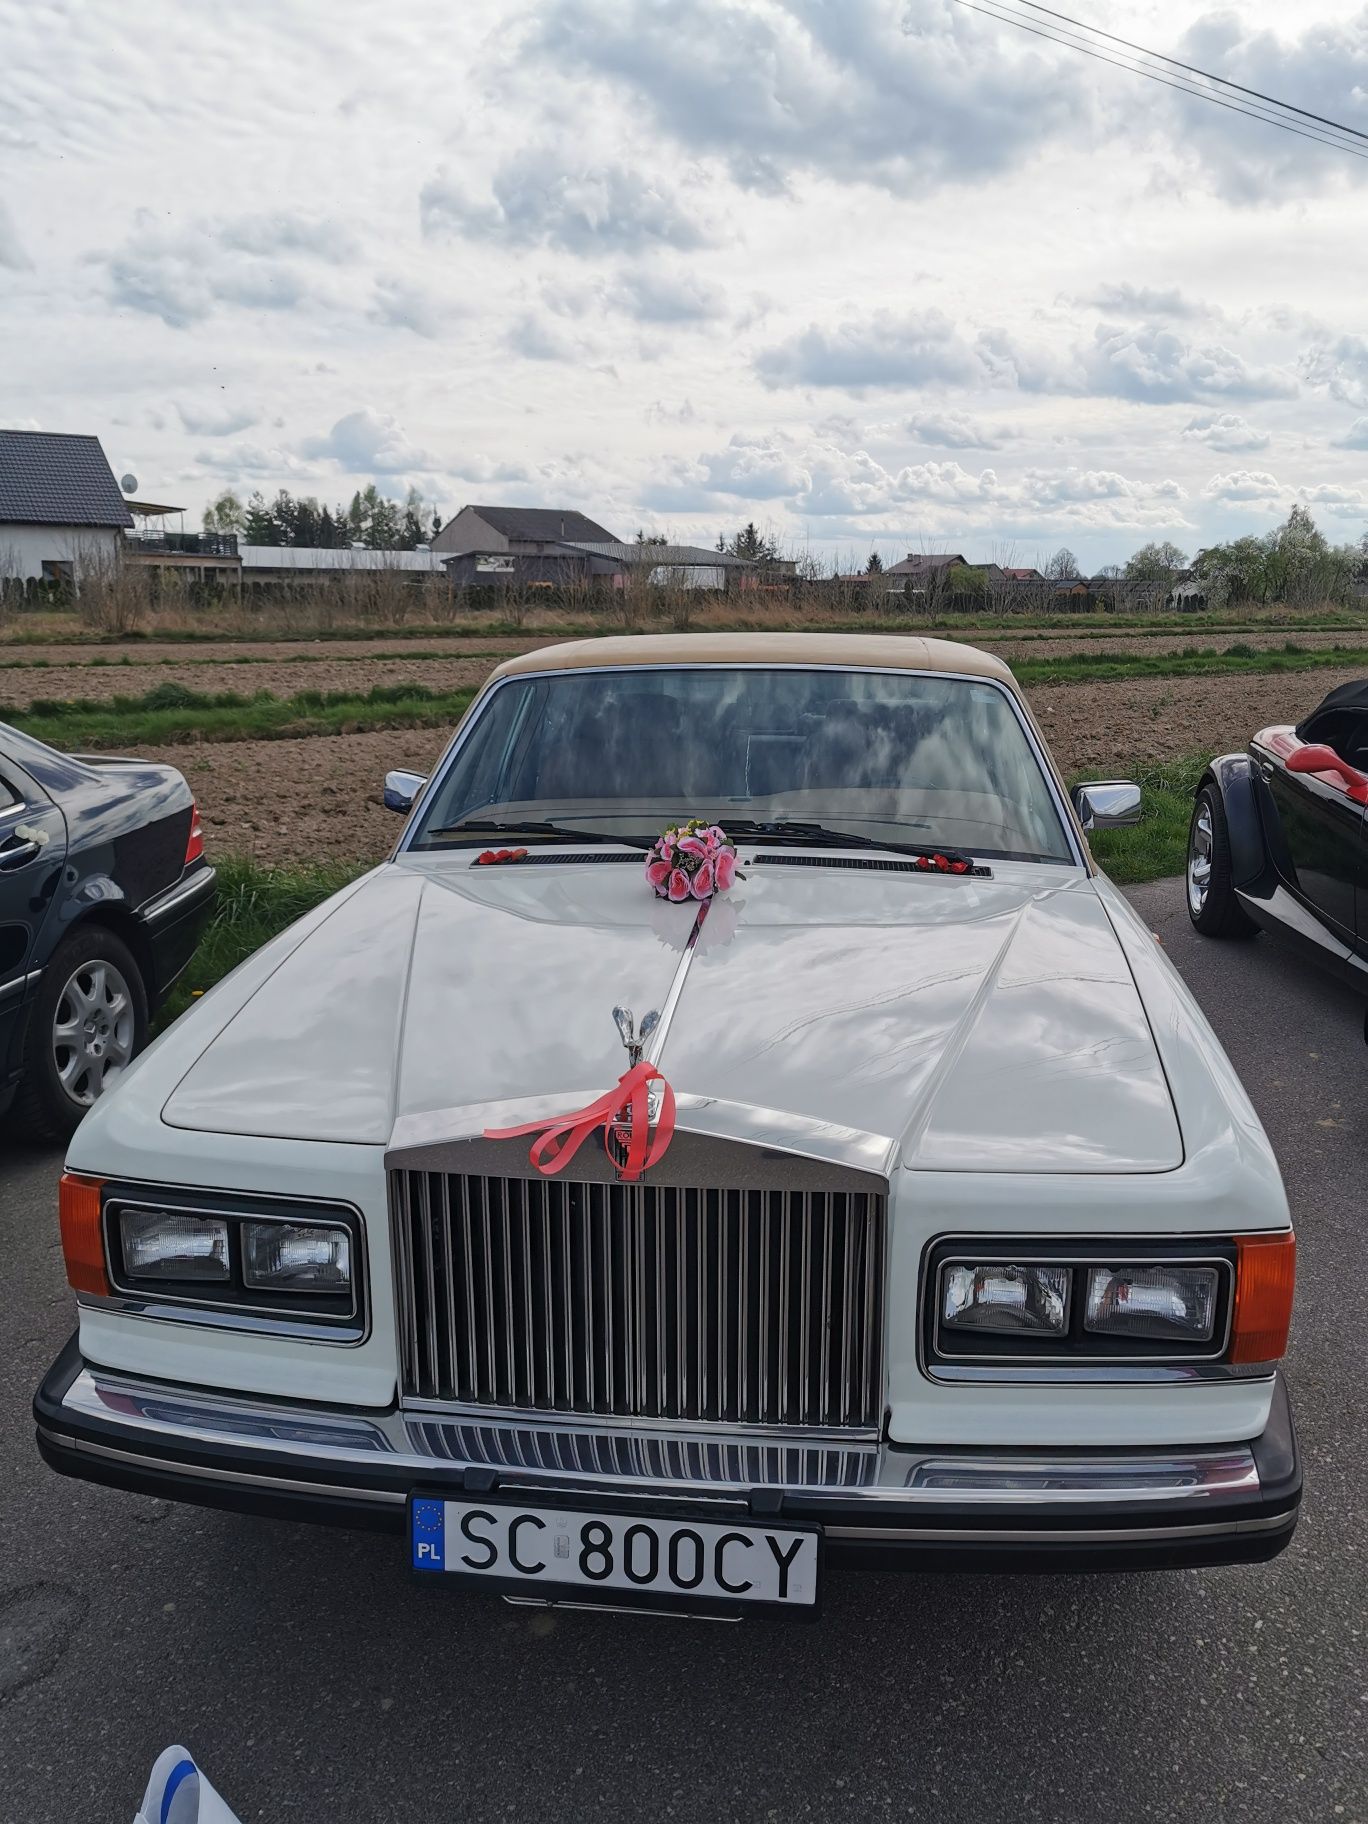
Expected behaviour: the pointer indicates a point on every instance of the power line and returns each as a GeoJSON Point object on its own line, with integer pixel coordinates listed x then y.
{"type": "Point", "coordinates": [1069, 41]}
{"type": "Point", "coordinates": [1191, 68]}
{"type": "Point", "coordinates": [996, 9]}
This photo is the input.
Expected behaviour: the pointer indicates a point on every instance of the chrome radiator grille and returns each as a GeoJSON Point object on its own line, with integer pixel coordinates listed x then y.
{"type": "Point", "coordinates": [748, 1307]}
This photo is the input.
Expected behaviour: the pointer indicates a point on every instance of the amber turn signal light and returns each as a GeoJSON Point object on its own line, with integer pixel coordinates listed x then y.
{"type": "Point", "coordinates": [78, 1207]}
{"type": "Point", "coordinates": [1265, 1276]}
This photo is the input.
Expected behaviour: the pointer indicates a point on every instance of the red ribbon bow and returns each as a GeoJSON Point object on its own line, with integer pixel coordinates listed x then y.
{"type": "Point", "coordinates": [560, 1139]}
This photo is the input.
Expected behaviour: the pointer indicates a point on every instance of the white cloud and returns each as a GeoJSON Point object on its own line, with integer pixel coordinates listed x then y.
{"type": "Point", "coordinates": [1244, 485]}
{"type": "Point", "coordinates": [183, 275]}
{"type": "Point", "coordinates": [541, 199]}
{"type": "Point", "coordinates": [1144, 301]}
{"type": "Point", "coordinates": [820, 480]}
{"type": "Point", "coordinates": [11, 247]}
{"type": "Point", "coordinates": [1331, 497]}
{"type": "Point", "coordinates": [898, 96]}
{"type": "Point", "coordinates": [1355, 438]}
{"type": "Point", "coordinates": [369, 443]}
{"type": "Point", "coordinates": [1340, 365]}
{"type": "Point", "coordinates": [400, 304]}
{"type": "Point", "coordinates": [1326, 68]}
{"type": "Point", "coordinates": [677, 296]}
{"type": "Point", "coordinates": [1148, 363]}
{"type": "Point", "coordinates": [217, 420]}
{"type": "Point", "coordinates": [886, 349]}
{"type": "Point", "coordinates": [1226, 432]}
{"type": "Point", "coordinates": [958, 431]}
{"type": "Point", "coordinates": [1157, 366]}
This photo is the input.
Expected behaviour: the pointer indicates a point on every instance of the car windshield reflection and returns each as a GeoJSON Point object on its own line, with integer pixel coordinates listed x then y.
{"type": "Point", "coordinates": [898, 757]}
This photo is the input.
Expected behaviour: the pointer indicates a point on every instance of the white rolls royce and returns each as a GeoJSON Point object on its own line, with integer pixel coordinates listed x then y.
{"type": "Point", "coordinates": [895, 1203]}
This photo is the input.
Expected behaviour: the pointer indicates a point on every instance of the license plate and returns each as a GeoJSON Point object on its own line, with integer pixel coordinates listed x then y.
{"type": "Point", "coordinates": [624, 1559]}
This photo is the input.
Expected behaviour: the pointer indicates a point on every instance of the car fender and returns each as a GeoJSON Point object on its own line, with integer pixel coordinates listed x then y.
{"type": "Point", "coordinates": [1234, 778]}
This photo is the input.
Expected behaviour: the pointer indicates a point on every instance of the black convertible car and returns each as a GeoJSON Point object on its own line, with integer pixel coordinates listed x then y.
{"type": "Point", "coordinates": [1279, 837]}
{"type": "Point", "coordinates": [103, 891]}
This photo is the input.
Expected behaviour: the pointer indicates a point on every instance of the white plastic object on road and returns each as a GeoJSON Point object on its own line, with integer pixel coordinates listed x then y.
{"type": "Point", "coordinates": [178, 1793]}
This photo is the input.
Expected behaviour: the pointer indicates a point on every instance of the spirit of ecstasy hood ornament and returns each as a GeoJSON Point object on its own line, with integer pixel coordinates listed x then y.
{"type": "Point", "coordinates": [635, 1041]}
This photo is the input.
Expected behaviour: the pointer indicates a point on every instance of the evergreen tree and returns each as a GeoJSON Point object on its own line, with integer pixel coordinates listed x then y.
{"type": "Point", "coordinates": [751, 545]}
{"type": "Point", "coordinates": [258, 527]}
{"type": "Point", "coordinates": [875, 565]}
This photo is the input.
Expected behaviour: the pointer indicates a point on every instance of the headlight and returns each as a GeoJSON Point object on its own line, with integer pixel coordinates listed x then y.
{"type": "Point", "coordinates": [1001, 1297]}
{"type": "Point", "coordinates": [295, 1255]}
{"type": "Point", "coordinates": [1013, 1307]}
{"type": "Point", "coordinates": [1162, 1302]}
{"type": "Point", "coordinates": [231, 1259]}
{"type": "Point", "coordinates": [168, 1244]}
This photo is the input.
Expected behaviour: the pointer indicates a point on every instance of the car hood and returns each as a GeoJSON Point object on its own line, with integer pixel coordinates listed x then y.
{"type": "Point", "coordinates": [968, 1024]}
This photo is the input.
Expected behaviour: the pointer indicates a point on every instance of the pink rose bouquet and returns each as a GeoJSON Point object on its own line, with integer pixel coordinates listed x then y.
{"type": "Point", "coordinates": [693, 861]}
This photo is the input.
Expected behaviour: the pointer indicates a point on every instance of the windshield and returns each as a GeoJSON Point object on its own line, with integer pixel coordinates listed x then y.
{"type": "Point", "coordinates": [895, 756]}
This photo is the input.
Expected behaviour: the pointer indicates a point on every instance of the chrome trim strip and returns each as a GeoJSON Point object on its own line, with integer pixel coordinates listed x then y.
{"type": "Point", "coordinates": [19, 983]}
{"type": "Point", "coordinates": [656, 1043]}
{"type": "Point", "coordinates": [1067, 815]}
{"type": "Point", "coordinates": [152, 1414]}
{"type": "Point", "coordinates": [199, 883]}
{"type": "Point", "coordinates": [694, 1431]}
{"type": "Point", "coordinates": [237, 1478]}
{"type": "Point", "coordinates": [870, 1535]}
{"type": "Point", "coordinates": [1130, 1535]}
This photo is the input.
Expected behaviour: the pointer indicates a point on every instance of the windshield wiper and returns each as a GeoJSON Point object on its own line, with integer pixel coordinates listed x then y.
{"type": "Point", "coordinates": [786, 829]}
{"type": "Point", "coordinates": [519, 826]}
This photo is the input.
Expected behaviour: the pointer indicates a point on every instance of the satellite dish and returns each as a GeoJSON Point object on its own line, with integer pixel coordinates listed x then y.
{"type": "Point", "coordinates": [129, 483]}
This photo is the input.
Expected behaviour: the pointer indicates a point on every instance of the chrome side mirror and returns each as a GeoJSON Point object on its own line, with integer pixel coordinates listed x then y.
{"type": "Point", "coordinates": [401, 789]}
{"type": "Point", "coordinates": [1107, 804]}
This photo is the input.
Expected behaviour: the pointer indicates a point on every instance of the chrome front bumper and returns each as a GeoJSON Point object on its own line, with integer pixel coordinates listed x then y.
{"type": "Point", "coordinates": [881, 1502]}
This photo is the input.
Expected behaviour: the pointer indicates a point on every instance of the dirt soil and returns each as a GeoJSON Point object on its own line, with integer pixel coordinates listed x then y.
{"type": "Point", "coordinates": [20, 686]}
{"type": "Point", "coordinates": [1095, 727]}
{"type": "Point", "coordinates": [283, 801]}
{"type": "Point", "coordinates": [308, 800]}
{"type": "Point", "coordinates": [284, 669]}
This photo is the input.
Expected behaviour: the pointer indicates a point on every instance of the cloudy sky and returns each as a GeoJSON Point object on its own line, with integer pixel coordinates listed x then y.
{"type": "Point", "coordinates": [876, 273]}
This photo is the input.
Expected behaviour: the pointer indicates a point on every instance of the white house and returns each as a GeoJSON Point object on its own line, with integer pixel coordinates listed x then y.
{"type": "Point", "coordinates": [61, 512]}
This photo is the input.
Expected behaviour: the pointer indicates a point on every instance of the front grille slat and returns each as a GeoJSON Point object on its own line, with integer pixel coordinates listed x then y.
{"type": "Point", "coordinates": [723, 1305]}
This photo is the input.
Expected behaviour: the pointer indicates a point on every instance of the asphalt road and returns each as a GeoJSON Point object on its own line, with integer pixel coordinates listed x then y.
{"type": "Point", "coordinates": [315, 1681]}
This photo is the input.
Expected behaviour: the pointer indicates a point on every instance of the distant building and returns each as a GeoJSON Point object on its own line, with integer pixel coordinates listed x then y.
{"type": "Point", "coordinates": [928, 564]}
{"type": "Point", "coordinates": [269, 563]}
{"type": "Point", "coordinates": [526, 531]}
{"type": "Point", "coordinates": [61, 513]}
{"type": "Point", "coordinates": [1017, 574]}
{"type": "Point", "coordinates": [603, 563]}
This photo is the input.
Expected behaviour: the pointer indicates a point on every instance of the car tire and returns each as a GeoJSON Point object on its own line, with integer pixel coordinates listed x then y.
{"type": "Point", "coordinates": [1212, 903]}
{"type": "Point", "coordinates": [88, 1021]}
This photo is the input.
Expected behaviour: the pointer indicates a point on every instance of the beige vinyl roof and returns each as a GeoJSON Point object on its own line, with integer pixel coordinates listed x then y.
{"type": "Point", "coordinates": [886, 651]}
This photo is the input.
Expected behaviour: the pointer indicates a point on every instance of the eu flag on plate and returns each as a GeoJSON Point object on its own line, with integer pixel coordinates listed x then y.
{"type": "Point", "coordinates": [429, 1535]}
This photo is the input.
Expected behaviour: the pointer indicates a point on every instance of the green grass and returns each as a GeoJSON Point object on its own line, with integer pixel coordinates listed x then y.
{"type": "Point", "coordinates": [171, 713]}
{"type": "Point", "coordinates": [1193, 662]}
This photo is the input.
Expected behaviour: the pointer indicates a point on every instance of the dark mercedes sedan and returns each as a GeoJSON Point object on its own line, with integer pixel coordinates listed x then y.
{"type": "Point", "coordinates": [1279, 837]}
{"type": "Point", "coordinates": [104, 889]}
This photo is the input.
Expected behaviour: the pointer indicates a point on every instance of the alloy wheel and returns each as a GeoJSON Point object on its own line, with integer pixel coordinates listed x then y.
{"type": "Point", "coordinates": [1199, 860]}
{"type": "Point", "coordinates": [92, 1031]}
